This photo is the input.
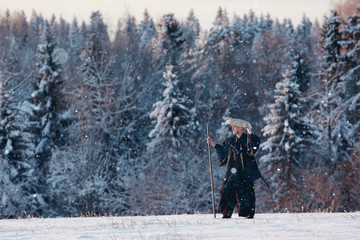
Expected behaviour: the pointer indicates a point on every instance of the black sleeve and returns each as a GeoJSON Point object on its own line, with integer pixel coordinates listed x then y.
{"type": "Point", "coordinates": [222, 152]}
{"type": "Point", "coordinates": [253, 145]}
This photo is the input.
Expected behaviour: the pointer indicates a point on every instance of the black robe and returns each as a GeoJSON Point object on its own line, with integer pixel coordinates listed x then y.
{"type": "Point", "coordinates": [241, 172]}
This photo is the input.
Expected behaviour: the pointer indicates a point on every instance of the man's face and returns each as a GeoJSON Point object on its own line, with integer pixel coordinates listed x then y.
{"type": "Point", "coordinates": [237, 130]}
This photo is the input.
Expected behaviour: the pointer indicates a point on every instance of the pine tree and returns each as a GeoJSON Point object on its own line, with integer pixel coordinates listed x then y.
{"type": "Point", "coordinates": [15, 57]}
{"type": "Point", "coordinates": [76, 44]}
{"type": "Point", "coordinates": [146, 31]}
{"type": "Point", "coordinates": [19, 185]}
{"type": "Point", "coordinates": [33, 131]}
{"type": "Point", "coordinates": [43, 108]}
{"type": "Point", "coordinates": [145, 61]}
{"type": "Point", "coordinates": [303, 50]}
{"type": "Point", "coordinates": [129, 38]}
{"type": "Point", "coordinates": [5, 27]}
{"type": "Point", "coordinates": [212, 67]}
{"type": "Point", "coordinates": [347, 169]}
{"type": "Point", "coordinates": [251, 29]}
{"type": "Point", "coordinates": [172, 117]}
{"type": "Point", "coordinates": [265, 23]}
{"type": "Point", "coordinates": [191, 29]}
{"type": "Point", "coordinates": [187, 59]}
{"type": "Point", "coordinates": [127, 54]}
{"type": "Point", "coordinates": [266, 65]}
{"type": "Point", "coordinates": [175, 127]}
{"type": "Point", "coordinates": [35, 25]}
{"type": "Point", "coordinates": [330, 114]}
{"type": "Point", "coordinates": [169, 40]}
{"type": "Point", "coordinates": [289, 136]}
{"type": "Point", "coordinates": [167, 47]}
{"type": "Point", "coordinates": [97, 130]}
{"type": "Point", "coordinates": [351, 77]}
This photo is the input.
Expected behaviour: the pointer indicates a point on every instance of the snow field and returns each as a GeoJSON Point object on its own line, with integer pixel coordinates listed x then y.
{"type": "Point", "coordinates": [198, 226]}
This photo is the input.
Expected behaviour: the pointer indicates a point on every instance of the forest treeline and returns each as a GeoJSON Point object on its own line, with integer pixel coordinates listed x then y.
{"type": "Point", "coordinates": [117, 126]}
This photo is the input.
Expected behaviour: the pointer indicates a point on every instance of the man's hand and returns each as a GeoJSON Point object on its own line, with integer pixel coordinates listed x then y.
{"type": "Point", "coordinates": [210, 141]}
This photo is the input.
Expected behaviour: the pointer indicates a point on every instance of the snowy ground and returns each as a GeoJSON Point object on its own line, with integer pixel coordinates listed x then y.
{"type": "Point", "coordinates": [198, 226]}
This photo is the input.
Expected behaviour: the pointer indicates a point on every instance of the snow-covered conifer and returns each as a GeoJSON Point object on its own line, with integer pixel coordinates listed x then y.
{"type": "Point", "coordinates": [265, 23]}
{"type": "Point", "coordinates": [351, 76]}
{"type": "Point", "coordinates": [44, 100]}
{"type": "Point", "coordinates": [289, 135]}
{"type": "Point", "coordinates": [146, 31]}
{"type": "Point", "coordinates": [38, 118]}
{"type": "Point", "coordinates": [167, 47]}
{"type": "Point", "coordinates": [191, 30]}
{"type": "Point", "coordinates": [172, 116]}
{"type": "Point", "coordinates": [212, 59]}
{"type": "Point", "coordinates": [18, 183]}
{"type": "Point", "coordinates": [303, 51]}
{"type": "Point", "coordinates": [330, 113]}
{"type": "Point", "coordinates": [172, 137]}
{"type": "Point", "coordinates": [99, 132]}
{"type": "Point", "coordinates": [346, 168]}
{"type": "Point", "coordinates": [76, 44]}
{"type": "Point", "coordinates": [168, 41]}
{"type": "Point", "coordinates": [251, 29]}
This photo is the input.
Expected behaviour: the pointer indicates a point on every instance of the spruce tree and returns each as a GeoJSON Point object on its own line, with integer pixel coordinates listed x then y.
{"type": "Point", "coordinates": [172, 117]}
{"type": "Point", "coordinates": [19, 183]}
{"type": "Point", "coordinates": [302, 45]}
{"type": "Point", "coordinates": [191, 28]}
{"type": "Point", "coordinates": [331, 114]}
{"type": "Point", "coordinates": [289, 135]}
{"type": "Point", "coordinates": [351, 76]}
{"type": "Point", "coordinates": [347, 170]}
{"type": "Point", "coordinates": [167, 47]}
{"type": "Point", "coordinates": [212, 67]}
{"type": "Point", "coordinates": [174, 130]}
{"type": "Point", "coordinates": [148, 86]}
{"type": "Point", "coordinates": [43, 108]}
{"type": "Point", "coordinates": [97, 130]}
{"type": "Point", "coordinates": [146, 31]}
{"type": "Point", "coordinates": [169, 40]}
{"type": "Point", "coordinates": [251, 29]}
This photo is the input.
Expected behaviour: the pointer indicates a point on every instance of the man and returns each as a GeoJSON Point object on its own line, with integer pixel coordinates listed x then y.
{"type": "Point", "coordinates": [237, 152]}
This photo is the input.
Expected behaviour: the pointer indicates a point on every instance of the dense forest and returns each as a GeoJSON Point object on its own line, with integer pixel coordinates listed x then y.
{"type": "Point", "coordinates": [93, 124]}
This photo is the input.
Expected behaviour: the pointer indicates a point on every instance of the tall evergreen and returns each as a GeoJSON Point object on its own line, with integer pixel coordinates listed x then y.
{"type": "Point", "coordinates": [351, 76]}
{"type": "Point", "coordinates": [348, 198]}
{"type": "Point", "coordinates": [268, 50]}
{"type": "Point", "coordinates": [169, 40]}
{"type": "Point", "coordinates": [251, 29]}
{"type": "Point", "coordinates": [191, 28]}
{"type": "Point", "coordinates": [146, 30]}
{"type": "Point", "coordinates": [43, 108]}
{"type": "Point", "coordinates": [213, 68]}
{"type": "Point", "coordinates": [174, 129]}
{"type": "Point", "coordinates": [19, 182]}
{"type": "Point", "coordinates": [330, 114]}
{"type": "Point", "coordinates": [146, 60]}
{"type": "Point", "coordinates": [303, 52]}
{"type": "Point", "coordinates": [76, 42]}
{"type": "Point", "coordinates": [167, 46]}
{"type": "Point", "coordinates": [96, 126]}
{"type": "Point", "coordinates": [173, 119]}
{"type": "Point", "coordinates": [290, 135]}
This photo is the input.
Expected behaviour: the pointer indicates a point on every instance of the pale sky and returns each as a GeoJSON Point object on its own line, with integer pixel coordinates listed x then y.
{"type": "Point", "coordinates": [205, 10]}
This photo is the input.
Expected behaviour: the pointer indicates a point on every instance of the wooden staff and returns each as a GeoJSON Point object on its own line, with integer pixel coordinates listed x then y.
{"type": "Point", "coordinates": [211, 172]}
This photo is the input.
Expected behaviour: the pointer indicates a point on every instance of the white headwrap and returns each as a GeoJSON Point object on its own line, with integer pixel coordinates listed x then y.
{"type": "Point", "coordinates": [239, 123]}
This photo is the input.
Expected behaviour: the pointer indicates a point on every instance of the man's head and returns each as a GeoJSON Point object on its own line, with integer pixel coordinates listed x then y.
{"type": "Point", "coordinates": [238, 125]}
{"type": "Point", "coordinates": [237, 130]}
